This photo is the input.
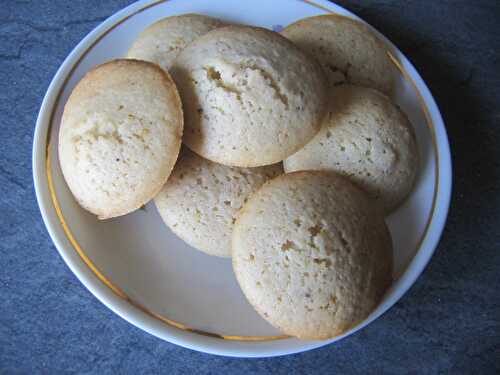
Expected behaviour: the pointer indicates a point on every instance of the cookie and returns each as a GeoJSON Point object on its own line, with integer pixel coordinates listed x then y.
{"type": "Point", "coordinates": [312, 254]}
{"type": "Point", "coordinates": [368, 139]}
{"type": "Point", "coordinates": [251, 97]}
{"type": "Point", "coordinates": [161, 42]}
{"type": "Point", "coordinates": [120, 136]}
{"type": "Point", "coordinates": [201, 198]}
{"type": "Point", "coordinates": [347, 50]}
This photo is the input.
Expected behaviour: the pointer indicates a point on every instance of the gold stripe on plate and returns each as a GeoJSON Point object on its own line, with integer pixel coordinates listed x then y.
{"type": "Point", "coordinates": [430, 126]}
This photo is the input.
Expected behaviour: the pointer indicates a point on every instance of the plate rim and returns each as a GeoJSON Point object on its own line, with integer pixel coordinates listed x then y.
{"type": "Point", "coordinates": [192, 340]}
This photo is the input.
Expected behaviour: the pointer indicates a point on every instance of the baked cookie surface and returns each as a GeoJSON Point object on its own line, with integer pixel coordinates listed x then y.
{"type": "Point", "coordinates": [312, 254]}
{"type": "Point", "coordinates": [201, 199]}
{"type": "Point", "coordinates": [120, 136]}
{"type": "Point", "coordinates": [251, 97]}
{"type": "Point", "coordinates": [369, 140]}
{"type": "Point", "coordinates": [348, 50]}
{"type": "Point", "coordinates": [161, 42]}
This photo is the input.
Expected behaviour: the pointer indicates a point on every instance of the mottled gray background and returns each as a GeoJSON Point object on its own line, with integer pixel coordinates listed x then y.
{"type": "Point", "coordinates": [449, 322]}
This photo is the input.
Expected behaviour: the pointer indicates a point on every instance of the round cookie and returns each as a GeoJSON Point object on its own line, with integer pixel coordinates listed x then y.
{"type": "Point", "coordinates": [120, 136]}
{"type": "Point", "coordinates": [347, 50]}
{"type": "Point", "coordinates": [162, 41]}
{"type": "Point", "coordinates": [368, 139]}
{"type": "Point", "coordinates": [251, 97]}
{"type": "Point", "coordinates": [312, 254]}
{"type": "Point", "coordinates": [200, 200]}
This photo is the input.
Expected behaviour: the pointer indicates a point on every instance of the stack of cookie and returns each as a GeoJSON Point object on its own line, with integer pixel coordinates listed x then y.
{"type": "Point", "coordinates": [293, 154]}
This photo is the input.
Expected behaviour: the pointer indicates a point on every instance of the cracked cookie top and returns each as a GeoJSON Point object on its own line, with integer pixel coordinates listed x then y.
{"type": "Point", "coordinates": [120, 136]}
{"type": "Point", "coordinates": [250, 96]}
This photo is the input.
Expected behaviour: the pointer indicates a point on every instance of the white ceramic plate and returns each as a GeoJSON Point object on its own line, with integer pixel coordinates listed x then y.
{"type": "Point", "coordinates": [148, 276]}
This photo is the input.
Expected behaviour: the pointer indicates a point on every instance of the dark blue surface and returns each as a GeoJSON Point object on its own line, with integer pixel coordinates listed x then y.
{"type": "Point", "coordinates": [449, 322]}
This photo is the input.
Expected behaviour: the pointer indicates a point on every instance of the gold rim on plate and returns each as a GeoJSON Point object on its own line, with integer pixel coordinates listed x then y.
{"type": "Point", "coordinates": [117, 290]}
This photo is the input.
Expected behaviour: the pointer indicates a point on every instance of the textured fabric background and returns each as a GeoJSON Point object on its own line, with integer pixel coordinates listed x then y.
{"type": "Point", "coordinates": [449, 322]}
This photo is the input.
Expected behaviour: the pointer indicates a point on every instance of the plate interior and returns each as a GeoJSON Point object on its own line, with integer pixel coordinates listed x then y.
{"type": "Point", "coordinates": [147, 261]}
